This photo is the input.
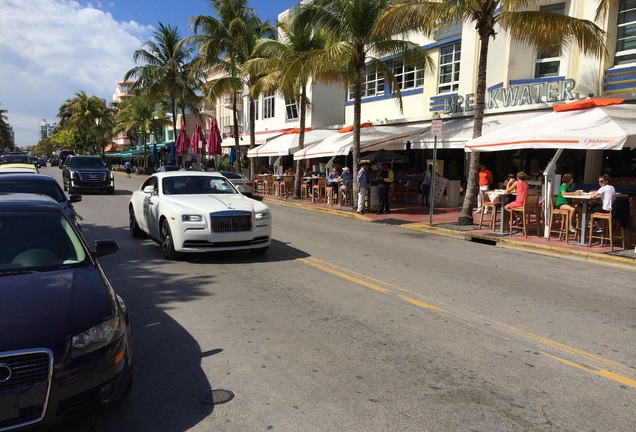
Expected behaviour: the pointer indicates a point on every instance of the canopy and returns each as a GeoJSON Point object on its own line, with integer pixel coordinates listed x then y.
{"type": "Point", "coordinates": [288, 143]}
{"type": "Point", "coordinates": [392, 137]}
{"type": "Point", "coordinates": [456, 132]}
{"type": "Point", "coordinates": [244, 139]}
{"type": "Point", "coordinates": [601, 128]}
{"type": "Point", "coordinates": [384, 156]}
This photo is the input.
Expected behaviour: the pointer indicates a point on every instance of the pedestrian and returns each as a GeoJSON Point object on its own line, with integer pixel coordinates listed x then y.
{"type": "Point", "coordinates": [362, 186]}
{"type": "Point", "coordinates": [485, 180]}
{"type": "Point", "coordinates": [128, 168]}
{"type": "Point", "coordinates": [385, 179]}
{"type": "Point", "coordinates": [426, 186]}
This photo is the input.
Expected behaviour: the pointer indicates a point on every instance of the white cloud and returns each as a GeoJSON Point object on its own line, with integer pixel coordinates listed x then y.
{"type": "Point", "coordinates": [51, 49]}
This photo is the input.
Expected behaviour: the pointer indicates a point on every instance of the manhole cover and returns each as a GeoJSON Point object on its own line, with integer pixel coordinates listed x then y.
{"type": "Point", "coordinates": [216, 397]}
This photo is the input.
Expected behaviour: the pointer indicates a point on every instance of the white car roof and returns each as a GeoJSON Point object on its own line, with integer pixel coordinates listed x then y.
{"type": "Point", "coordinates": [165, 174]}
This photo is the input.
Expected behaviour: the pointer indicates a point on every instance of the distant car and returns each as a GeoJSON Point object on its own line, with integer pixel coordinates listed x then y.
{"type": "Point", "coordinates": [18, 167]}
{"type": "Point", "coordinates": [166, 168]}
{"type": "Point", "coordinates": [197, 211]}
{"type": "Point", "coordinates": [66, 337]}
{"type": "Point", "coordinates": [42, 162]}
{"type": "Point", "coordinates": [240, 180]}
{"type": "Point", "coordinates": [35, 161]}
{"type": "Point", "coordinates": [63, 155]}
{"type": "Point", "coordinates": [15, 158]}
{"type": "Point", "coordinates": [54, 161]}
{"type": "Point", "coordinates": [40, 184]}
{"type": "Point", "coordinates": [87, 173]}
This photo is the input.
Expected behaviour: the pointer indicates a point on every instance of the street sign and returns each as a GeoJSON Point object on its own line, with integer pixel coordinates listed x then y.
{"type": "Point", "coordinates": [436, 127]}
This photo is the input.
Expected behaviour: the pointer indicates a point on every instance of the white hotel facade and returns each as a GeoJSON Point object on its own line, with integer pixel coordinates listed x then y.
{"type": "Point", "coordinates": [519, 81]}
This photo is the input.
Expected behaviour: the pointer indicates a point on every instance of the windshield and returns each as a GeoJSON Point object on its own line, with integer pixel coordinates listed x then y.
{"type": "Point", "coordinates": [50, 188]}
{"type": "Point", "coordinates": [15, 159]}
{"type": "Point", "coordinates": [80, 162]}
{"type": "Point", "coordinates": [38, 242]}
{"type": "Point", "coordinates": [197, 185]}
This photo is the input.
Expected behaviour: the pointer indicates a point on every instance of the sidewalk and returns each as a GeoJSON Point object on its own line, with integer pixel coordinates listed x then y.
{"type": "Point", "coordinates": [413, 216]}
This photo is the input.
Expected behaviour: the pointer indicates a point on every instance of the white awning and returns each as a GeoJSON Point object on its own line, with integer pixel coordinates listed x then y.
{"type": "Point", "coordinates": [288, 143]}
{"type": "Point", "coordinates": [390, 137]}
{"type": "Point", "coordinates": [456, 132]}
{"type": "Point", "coordinates": [601, 128]}
{"type": "Point", "coordinates": [244, 138]}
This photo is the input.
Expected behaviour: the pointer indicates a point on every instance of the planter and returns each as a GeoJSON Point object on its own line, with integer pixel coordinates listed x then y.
{"type": "Point", "coordinates": [452, 193]}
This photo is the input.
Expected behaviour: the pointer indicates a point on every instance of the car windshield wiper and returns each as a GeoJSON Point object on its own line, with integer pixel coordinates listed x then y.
{"type": "Point", "coordinates": [17, 272]}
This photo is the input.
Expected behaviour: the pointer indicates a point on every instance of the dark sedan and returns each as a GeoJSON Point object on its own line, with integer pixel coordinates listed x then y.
{"type": "Point", "coordinates": [65, 339]}
{"type": "Point", "coordinates": [40, 184]}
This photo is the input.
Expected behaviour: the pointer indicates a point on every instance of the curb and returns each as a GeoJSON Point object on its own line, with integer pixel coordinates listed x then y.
{"type": "Point", "coordinates": [446, 232]}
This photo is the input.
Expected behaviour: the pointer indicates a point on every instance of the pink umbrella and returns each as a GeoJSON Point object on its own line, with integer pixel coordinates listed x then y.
{"type": "Point", "coordinates": [198, 140]}
{"type": "Point", "coordinates": [214, 147]}
{"type": "Point", "coordinates": [183, 142]}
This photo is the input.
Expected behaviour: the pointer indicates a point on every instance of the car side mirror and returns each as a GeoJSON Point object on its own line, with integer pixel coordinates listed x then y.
{"type": "Point", "coordinates": [74, 198]}
{"type": "Point", "coordinates": [150, 190]}
{"type": "Point", "coordinates": [105, 247]}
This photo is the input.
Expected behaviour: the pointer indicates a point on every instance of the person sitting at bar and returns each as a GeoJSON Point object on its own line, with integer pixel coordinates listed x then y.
{"type": "Point", "coordinates": [332, 178]}
{"type": "Point", "coordinates": [510, 179]}
{"type": "Point", "coordinates": [521, 187]}
{"type": "Point", "coordinates": [564, 203]}
{"type": "Point", "coordinates": [607, 193]}
{"type": "Point", "coordinates": [344, 178]}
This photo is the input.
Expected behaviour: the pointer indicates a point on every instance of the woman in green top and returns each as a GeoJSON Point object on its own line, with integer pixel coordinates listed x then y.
{"type": "Point", "coordinates": [564, 203]}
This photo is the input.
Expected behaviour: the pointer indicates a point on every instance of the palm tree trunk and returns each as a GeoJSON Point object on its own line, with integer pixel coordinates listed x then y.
{"type": "Point", "coordinates": [237, 149]}
{"type": "Point", "coordinates": [466, 215]}
{"type": "Point", "coordinates": [357, 116]}
{"type": "Point", "coordinates": [301, 139]}
{"type": "Point", "coordinates": [252, 138]}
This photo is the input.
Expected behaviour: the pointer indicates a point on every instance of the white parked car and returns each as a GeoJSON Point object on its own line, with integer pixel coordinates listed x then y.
{"type": "Point", "coordinates": [196, 211]}
{"type": "Point", "coordinates": [238, 179]}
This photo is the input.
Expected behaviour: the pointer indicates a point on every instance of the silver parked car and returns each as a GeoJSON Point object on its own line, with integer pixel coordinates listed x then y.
{"type": "Point", "coordinates": [240, 180]}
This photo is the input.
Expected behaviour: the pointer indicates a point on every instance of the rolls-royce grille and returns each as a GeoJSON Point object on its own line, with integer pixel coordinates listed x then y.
{"type": "Point", "coordinates": [231, 221]}
{"type": "Point", "coordinates": [92, 176]}
{"type": "Point", "coordinates": [24, 378]}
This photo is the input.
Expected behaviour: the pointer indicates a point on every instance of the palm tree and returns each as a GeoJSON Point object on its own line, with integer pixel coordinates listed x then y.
{"type": "Point", "coordinates": [225, 44]}
{"type": "Point", "coordinates": [543, 30]}
{"type": "Point", "coordinates": [355, 46]}
{"type": "Point", "coordinates": [164, 71]}
{"type": "Point", "coordinates": [83, 115]}
{"type": "Point", "coordinates": [293, 63]}
{"type": "Point", "coordinates": [5, 131]}
{"type": "Point", "coordinates": [138, 116]}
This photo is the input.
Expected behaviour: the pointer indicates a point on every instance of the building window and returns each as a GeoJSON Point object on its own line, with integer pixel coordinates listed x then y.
{"type": "Point", "coordinates": [548, 62]}
{"type": "Point", "coordinates": [407, 75]}
{"type": "Point", "coordinates": [449, 58]}
{"type": "Point", "coordinates": [291, 110]}
{"type": "Point", "coordinates": [268, 105]}
{"type": "Point", "coordinates": [626, 33]}
{"type": "Point", "coordinates": [372, 84]}
{"type": "Point", "coordinates": [256, 109]}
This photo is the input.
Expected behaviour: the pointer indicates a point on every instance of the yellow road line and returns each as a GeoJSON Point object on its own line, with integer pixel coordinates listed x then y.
{"type": "Point", "coordinates": [379, 285]}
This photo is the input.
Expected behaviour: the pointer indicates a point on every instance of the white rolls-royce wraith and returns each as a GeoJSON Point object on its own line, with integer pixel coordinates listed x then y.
{"type": "Point", "coordinates": [192, 211]}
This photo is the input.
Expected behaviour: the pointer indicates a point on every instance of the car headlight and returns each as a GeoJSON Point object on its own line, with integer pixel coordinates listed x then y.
{"type": "Point", "coordinates": [262, 215]}
{"type": "Point", "coordinates": [192, 218]}
{"type": "Point", "coordinates": [95, 337]}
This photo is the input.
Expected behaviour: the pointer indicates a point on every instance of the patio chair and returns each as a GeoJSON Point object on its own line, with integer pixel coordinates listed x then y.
{"type": "Point", "coordinates": [318, 190]}
{"type": "Point", "coordinates": [494, 207]}
{"type": "Point", "coordinates": [562, 217]}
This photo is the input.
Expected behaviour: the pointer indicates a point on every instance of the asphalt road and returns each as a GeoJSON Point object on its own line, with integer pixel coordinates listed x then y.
{"type": "Point", "coordinates": [347, 325]}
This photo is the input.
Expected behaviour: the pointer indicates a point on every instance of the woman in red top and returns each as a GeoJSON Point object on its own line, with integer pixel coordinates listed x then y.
{"type": "Point", "coordinates": [521, 187]}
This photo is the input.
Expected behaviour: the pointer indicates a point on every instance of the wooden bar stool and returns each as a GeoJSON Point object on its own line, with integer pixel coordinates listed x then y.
{"type": "Point", "coordinates": [606, 233]}
{"type": "Point", "coordinates": [559, 216]}
{"type": "Point", "coordinates": [521, 210]}
{"type": "Point", "coordinates": [318, 190]}
{"type": "Point", "coordinates": [486, 205]}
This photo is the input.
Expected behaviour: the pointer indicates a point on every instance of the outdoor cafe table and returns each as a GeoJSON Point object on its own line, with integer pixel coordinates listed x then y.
{"type": "Point", "coordinates": [504, 198]}
{"type": "Point", "coordinates": [585, 198]}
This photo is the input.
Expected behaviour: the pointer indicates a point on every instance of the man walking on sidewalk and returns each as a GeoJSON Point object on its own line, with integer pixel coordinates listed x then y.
{"type": "Point", "coordinates": [485, 179]}
{"type": "Point", "coordinates": [362, 186]}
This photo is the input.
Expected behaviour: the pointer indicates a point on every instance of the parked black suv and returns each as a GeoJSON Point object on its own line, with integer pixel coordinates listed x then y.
{"type": "Point", "coordinates": [87, 173]}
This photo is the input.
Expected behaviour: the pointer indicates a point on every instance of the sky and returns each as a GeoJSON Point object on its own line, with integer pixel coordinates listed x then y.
{"type": "Point", "coordinates": [52, 49]}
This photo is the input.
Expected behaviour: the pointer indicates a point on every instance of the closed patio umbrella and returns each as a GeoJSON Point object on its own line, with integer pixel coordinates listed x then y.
{"type": "Point", "coordinates": [173, 154]}
{"type": "Point", "coordinates": [199, 143]}
{"type": "Point", "coordinates": [183, 142]}
{"type": "Point", "coordinates": [214, 142]}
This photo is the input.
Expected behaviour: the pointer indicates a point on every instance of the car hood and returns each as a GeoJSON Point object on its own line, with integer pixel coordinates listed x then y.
{"type": "Point", "coordinates": [46, 309]}
{"type": "Point", "coordinates": [219, 202]}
